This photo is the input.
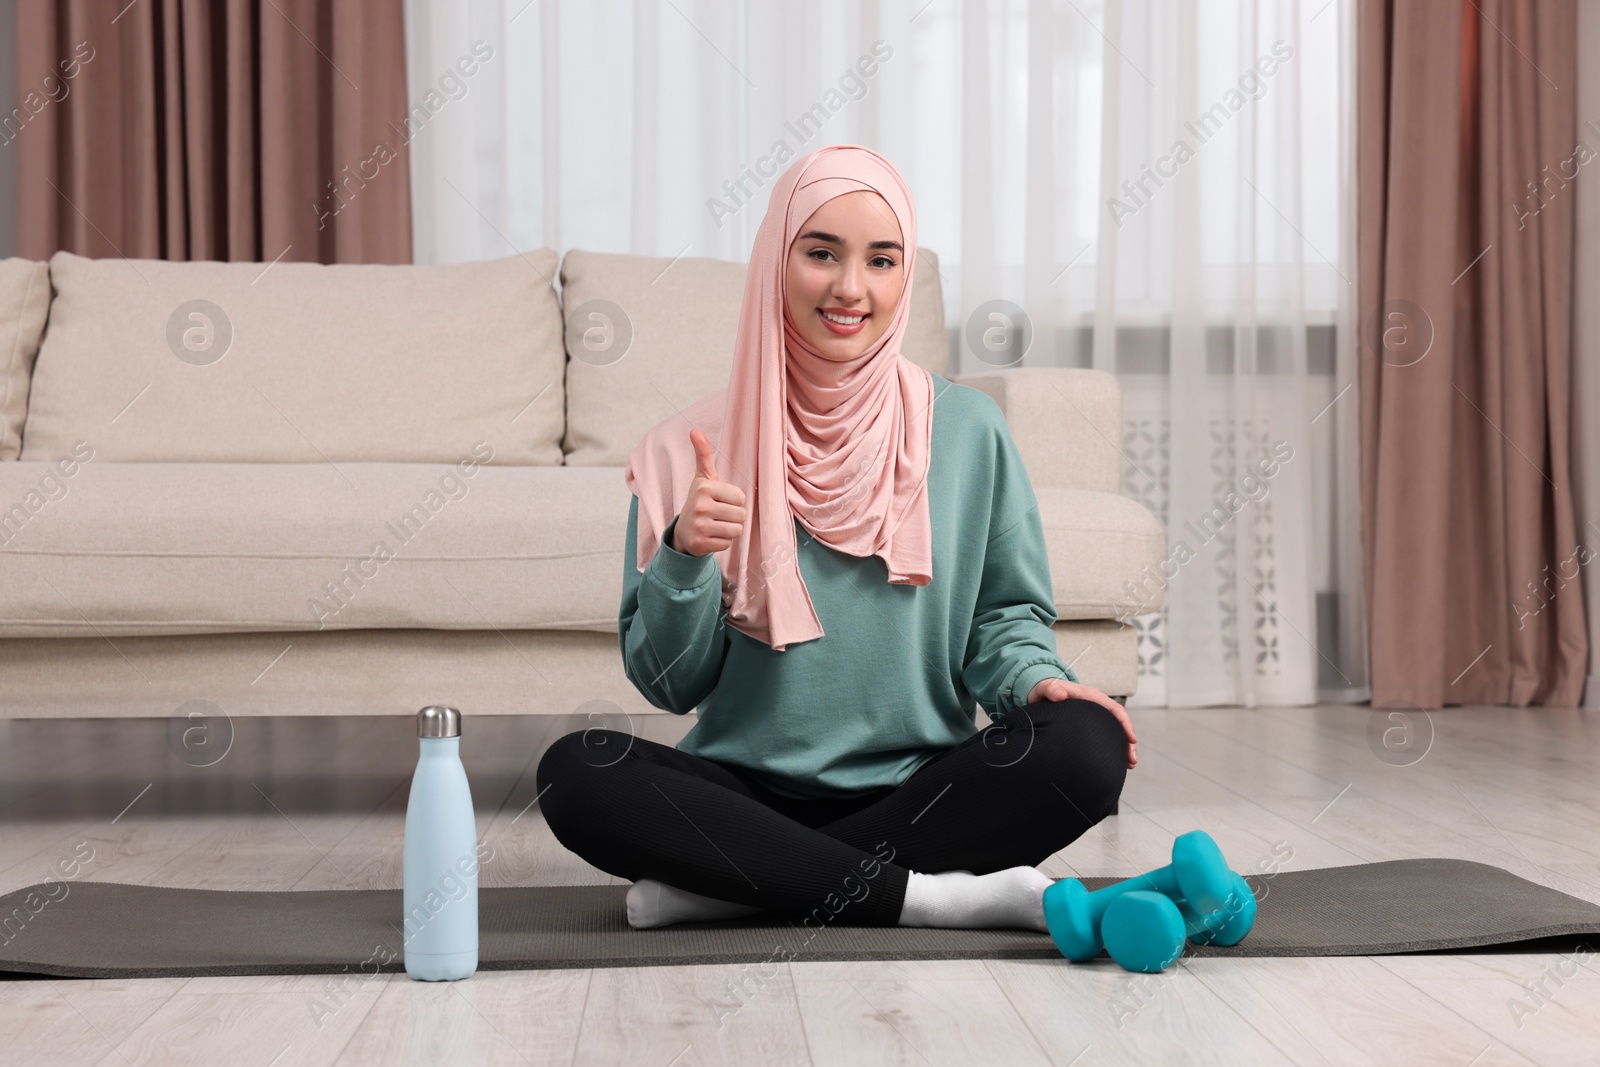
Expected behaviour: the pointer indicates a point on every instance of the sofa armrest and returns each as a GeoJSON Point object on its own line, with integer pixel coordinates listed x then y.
{"type": "Point", "coordinates": [1067, 423]}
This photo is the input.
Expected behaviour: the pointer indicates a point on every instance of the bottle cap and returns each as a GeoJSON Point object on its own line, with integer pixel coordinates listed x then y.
{"type": "Point", "coordinates": [438, 720]}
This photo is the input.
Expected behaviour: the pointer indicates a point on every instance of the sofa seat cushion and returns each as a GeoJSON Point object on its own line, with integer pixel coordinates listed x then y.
{"type": "Point", "coordinates": [95, 549]}
{"type": "Point", "coordinates": [192, 548]}
{"type": "Point", "coordinates": [149, 360]}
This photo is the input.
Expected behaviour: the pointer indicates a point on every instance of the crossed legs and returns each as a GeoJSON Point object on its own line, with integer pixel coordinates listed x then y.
{"type": "Point", "coordinates": [1010, 795]}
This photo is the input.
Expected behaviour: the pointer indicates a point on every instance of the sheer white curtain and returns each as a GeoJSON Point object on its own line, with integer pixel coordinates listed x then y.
{"type": "Point", "coordinates": [1162, 187]}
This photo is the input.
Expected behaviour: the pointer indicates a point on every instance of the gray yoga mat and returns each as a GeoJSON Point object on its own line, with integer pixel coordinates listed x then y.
{"type": "Point", "coordinates": [112, 930]}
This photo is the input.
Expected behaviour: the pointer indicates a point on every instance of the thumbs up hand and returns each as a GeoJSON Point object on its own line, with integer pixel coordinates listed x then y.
{"type": "Point", "coordinates": [714, 513]}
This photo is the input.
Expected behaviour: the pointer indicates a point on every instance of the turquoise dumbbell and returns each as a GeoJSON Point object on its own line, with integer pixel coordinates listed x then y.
{"type": "Point", "coordinates": [1144, 930]}
{"type": "Point", "coordinates": [1197, 873]}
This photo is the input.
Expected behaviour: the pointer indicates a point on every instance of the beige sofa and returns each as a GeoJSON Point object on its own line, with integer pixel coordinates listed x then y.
{"type": "Point", "coordinates": [359, 489]}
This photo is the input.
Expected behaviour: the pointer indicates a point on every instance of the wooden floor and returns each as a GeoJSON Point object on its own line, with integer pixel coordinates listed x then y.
{"type": "Point", "coordinates": [319, 804]}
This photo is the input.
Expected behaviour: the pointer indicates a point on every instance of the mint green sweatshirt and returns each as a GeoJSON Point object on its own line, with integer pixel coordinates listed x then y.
{"type": "Point", "coordinates": [893, 681]}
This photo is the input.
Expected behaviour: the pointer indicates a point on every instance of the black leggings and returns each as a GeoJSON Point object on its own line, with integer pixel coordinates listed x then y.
{"type": "Point", "coordinates": [1010, 795]}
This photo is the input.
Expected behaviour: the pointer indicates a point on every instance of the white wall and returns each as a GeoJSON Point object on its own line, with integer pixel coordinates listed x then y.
{"type": "Point", "coordinates": [1586, 334]}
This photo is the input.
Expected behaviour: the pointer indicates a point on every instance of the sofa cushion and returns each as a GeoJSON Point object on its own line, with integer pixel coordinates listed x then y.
{"type": "Point", "coordinates": [299, 362]}
{"type": "Point", "coordinates": [99, 549]}
{"type": "Point", "coordinates": [1106, 554]}
{"type": "Point", "coordinates": [169, 548]}
{"type": "Point", "coordinates": [647, 337]}
{"type": "Point", "coordinates": [24, 301]}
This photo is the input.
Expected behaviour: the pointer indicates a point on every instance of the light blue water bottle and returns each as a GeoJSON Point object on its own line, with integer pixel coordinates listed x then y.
{"type": "Point", "coordinates": [441, 856]}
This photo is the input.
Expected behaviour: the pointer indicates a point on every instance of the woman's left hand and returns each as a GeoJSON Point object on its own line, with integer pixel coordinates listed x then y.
{"type": "Point", "coordinates": [1058, 689]}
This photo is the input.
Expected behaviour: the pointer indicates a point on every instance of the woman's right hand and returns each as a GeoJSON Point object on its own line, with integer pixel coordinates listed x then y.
{"type": "Point", "coordinates": [714, 513]}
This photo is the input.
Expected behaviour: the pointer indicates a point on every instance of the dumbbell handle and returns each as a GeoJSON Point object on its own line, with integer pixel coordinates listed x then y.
{"type": "Point", "coordinates": [1162, 880]}
{"type": "Point", "coordinates": [1196, 924]}
{"type": "Point", "coordinates": [1229, 924]}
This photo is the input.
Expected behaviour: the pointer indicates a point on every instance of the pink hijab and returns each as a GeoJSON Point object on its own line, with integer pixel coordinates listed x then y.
{"type": "Point", "coordinates": [843, 447]}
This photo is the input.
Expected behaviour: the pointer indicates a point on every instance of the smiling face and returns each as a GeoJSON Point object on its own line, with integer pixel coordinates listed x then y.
{"type": "Point", "coordinates": [847, 264]}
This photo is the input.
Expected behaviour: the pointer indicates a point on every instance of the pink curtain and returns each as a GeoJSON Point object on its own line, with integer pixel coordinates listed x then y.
{"type": "Point", "coordinates": [1466, 156]}
{"type": "Point", "coordinates": [227, 130]}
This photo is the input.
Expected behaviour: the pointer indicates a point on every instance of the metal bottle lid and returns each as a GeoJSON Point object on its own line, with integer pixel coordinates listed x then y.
{"type": "Point", "coordinates": [438, 720]}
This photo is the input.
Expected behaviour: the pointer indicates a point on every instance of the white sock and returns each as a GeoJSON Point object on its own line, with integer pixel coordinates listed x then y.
{"type": "Point", "coordinates": [1012, 898]}
{"type": "Point", "coordinates": [653, 903]}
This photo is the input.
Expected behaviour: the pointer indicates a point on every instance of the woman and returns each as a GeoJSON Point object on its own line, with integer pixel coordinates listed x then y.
{"type": "Point", "coordinates": [872, 565]}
